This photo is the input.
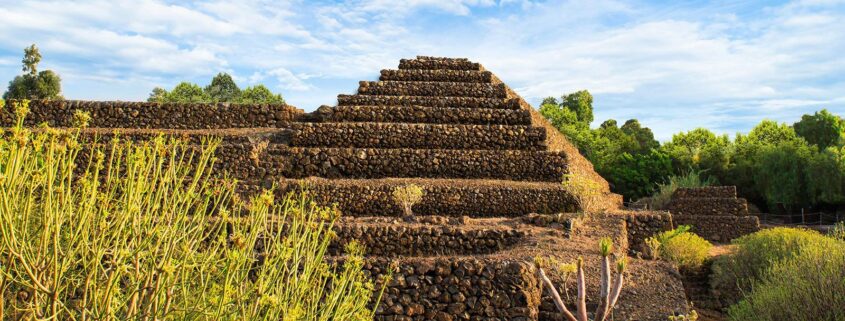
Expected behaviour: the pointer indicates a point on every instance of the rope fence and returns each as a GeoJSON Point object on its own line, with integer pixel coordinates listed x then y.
{"type": "Point", "coordinates": [801, 219]}
{"type": "Point", "coordinates": [797, 219]}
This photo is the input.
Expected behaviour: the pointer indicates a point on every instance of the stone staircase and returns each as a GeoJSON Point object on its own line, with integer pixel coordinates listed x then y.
{"type": "Point", "coordinates": [490, 165]}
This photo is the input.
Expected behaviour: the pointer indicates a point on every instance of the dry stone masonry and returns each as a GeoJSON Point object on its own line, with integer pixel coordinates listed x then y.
{"type": "Point", "coordinates": [489, 164]}
{"type": "Point", "coordinates": [714, 212]}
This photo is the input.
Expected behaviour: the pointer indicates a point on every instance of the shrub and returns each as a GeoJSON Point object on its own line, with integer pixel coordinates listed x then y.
{"type": "Point", "coordinates": [692, 316]}
{"type": "Point", "coordinates": [681, 247]}
{"type": "Point", "coordinates": [585, 191]}
{"type": "Point", "coordinates": [809, 286]}
{"type": "Point", "coordinates": [758, 252]}
{"type": "Point", "coordinates": [407, 196]}
{"type": "Point", "coordinates": [140, 232]}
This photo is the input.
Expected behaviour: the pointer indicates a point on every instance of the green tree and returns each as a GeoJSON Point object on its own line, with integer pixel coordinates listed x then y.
{"type": "Point", "coordinates": [822, 129]}
{"type": "Point", "coordinates": [700, 149]}
{"type": "Point", "coordinates": [825, 177]}
{"type": "Point", "coordinates": [159, 95]}
{"type": "Point", "coordinates": [557, 115]}
{"type": "Point", "coordinates": [780, 174]}
{"type": "Point", "coordinates": [642, 135]}
{"type": "Point", "coordinates": [186, 92]}
{"type": "Point", "coordinates": [636, 176]}
{"type": "Point", "coordinates": [33, 84]}
{"type": "Point", "coordinates": [260, 94]}
{"type": "Point", "coordinates": [580, 102]}
{"type": "Point", "coordinates": [772, 133]}
{"type": "Point", "coordinates": [31, 58]}
{"type": "Point", "coordinates": [223, 88]}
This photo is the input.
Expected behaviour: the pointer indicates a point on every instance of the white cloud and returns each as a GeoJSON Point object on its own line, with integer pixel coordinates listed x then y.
{"type": "Point", "coordinates": [674, 67]}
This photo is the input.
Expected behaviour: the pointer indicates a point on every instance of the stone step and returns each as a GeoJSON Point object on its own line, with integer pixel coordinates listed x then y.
{"type": "Point", "coordinates": [424, 236]}
{"type": "Point", "coordinates": [438, 63]}
{"type": "Point", "coordinates": [455, 288]}
{"type": "Point", "coordinates": [474, 76]}
{"type": "Point", "coordinates": [404, 135]}
{"type": "Point", "coordinates": [445, 197]}
{"type": "Point", "coordinates": [427, 101]}
{"type": "Point", "coordinates": [122, 114]}
{"type": "Point", "coordinates": [432, 88]}
{"type": "Point", "coordinates": [421, 114]}
{"type": "Point", "coordinates": [301, 162]}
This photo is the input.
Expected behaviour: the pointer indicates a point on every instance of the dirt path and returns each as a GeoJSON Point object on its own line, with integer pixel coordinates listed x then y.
{"type": "Point", "coordinates": [697, 287]}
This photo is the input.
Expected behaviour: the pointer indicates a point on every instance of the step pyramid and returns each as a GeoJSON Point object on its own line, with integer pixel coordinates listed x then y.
{"type": "Point", "coordinates": [491, 167]}
{"type": "Point", "coordinates": [454, 128]}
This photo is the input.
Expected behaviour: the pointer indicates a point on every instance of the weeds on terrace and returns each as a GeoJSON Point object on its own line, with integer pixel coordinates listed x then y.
{"type": "Point", "coordinates": [609, 289]}
{"type": "Point", "coordinates": [665, 191]}
{"type": "Point", "coordinates": [407, 196]}
{"type": "Point", "coordinates": [692, 316]}
{"type": "Point", "coordinates": [586, 192]}
{"type": "Point", "coordinates": [140, 232]}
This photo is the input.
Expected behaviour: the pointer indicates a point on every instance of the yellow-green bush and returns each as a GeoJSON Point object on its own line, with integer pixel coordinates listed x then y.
{"type": "Point", "coordinates": [809, 286]}
{"type": "Point", "coordinates": [687, 250]}
{"type": "Point", "coordinates": [141, 232]}
{"type": "Point", "coordinates": [684, 248]}
{"type": "Point", "coordinates": [756, 253]}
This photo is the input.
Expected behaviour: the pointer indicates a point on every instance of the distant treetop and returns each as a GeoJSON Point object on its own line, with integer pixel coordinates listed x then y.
{"type": "Point", "coordinates": [221, 89]}
{"type": "Point", "coordinates": [33, 84]}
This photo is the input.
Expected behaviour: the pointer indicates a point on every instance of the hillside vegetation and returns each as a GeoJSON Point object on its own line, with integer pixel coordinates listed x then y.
{"type": "Point", "coordinates": [796, 165]}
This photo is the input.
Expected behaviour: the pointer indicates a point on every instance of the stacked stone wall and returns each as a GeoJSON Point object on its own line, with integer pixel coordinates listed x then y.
{"type": "Point", "coordinates": [458, 288]}
{"type": "Point", "coordinates": [707, 192]}
{"type": "Point", "coordinates": [421, 114]}
{"type": "Point", "coordinates": [427, 101]}
{"type": "Point", "coordinates": [432, 88]}
{"type": "Point", "coordinates": [720, 229]}
{"type": "Point", "coordinates": [435, 136]}
{"type": "Point", "coordinates": [119, 114]}
{"type": "Point", "coordinates": [425, 163]}
{"type": "Point", "coordinates": [392, 240]}
{"type": "Point", "coordinates": [642, 225]}
{"type": "Point", "coordinates": [437, 75]}
{"type": "Point", "coordinates": [428, 63]}
{"type": "Point", "coordinates": [714, 212]}
{"type": "Point", "coordinates": [455, 198]}
{"type": "Point", "coordinates": [709, 206]}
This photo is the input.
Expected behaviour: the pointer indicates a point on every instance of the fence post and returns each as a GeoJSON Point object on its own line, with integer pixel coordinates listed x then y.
{"type": "Point", "coordinates": [803, 218]}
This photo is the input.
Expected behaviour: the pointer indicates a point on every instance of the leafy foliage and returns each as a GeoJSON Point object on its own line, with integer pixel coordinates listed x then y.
{"type": "Point", "coordinates": [585, 191]}
{"type": "Point", "coordinates": [775, 164]}
{"type": "Point", "coordinates": [809, 286]}
{"type": "Point", "coordinates": [33, 84]}
{"type": "Point", "coordinates": [407, 196]}
{"type": "Point", "coordinates": [684, 248]}
{"type": "Point", "coordinates": [260, 94]}
{"type": "Point", "coordinates": [221, 89]}
{"type": "Point", "coordinates": [822, 129]}
{"type": "Point", "coordinates": [756, 253]}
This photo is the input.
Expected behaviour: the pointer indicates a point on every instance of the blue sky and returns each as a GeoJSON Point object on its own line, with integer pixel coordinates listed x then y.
{"type": "Point", "coordinates": [723, 65]}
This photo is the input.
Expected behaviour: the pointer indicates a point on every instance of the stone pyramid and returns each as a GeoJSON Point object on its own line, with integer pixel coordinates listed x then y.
{"type": "Point", "coordinates": [490, 165]}
{"type": "Point", "coordinates": [448, 125]}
